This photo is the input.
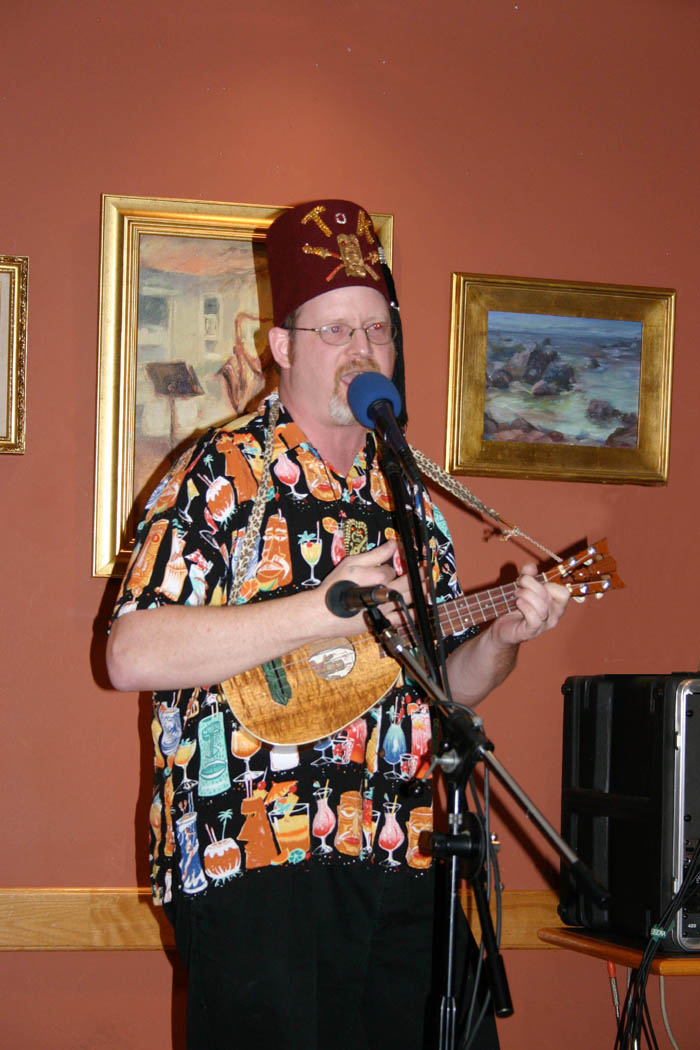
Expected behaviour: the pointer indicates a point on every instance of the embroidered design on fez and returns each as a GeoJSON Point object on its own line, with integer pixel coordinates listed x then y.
{"type": "Point", "coordinates": [315, 216]}
{"type": "Point", "coordinates": [349, 252]}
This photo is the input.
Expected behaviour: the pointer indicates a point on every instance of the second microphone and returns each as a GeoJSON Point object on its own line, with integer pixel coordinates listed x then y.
{"type": "Point", "coordinates": [347, 599]}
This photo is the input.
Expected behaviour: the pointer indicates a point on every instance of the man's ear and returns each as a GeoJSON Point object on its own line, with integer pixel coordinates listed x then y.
{"type": "Point", "coordinates": [280, 341]}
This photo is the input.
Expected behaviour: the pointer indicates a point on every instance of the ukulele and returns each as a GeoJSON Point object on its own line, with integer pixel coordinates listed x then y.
{"type": "Point", "coordinates": [316, 690]}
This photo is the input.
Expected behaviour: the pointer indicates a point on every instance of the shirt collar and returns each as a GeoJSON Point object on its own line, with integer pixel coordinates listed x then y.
{"type": "Point", "coordinates": [290, 437]}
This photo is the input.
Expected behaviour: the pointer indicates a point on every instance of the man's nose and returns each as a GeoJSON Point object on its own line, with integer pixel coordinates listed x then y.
{"type": "Point", "coordinates": [359, 340]}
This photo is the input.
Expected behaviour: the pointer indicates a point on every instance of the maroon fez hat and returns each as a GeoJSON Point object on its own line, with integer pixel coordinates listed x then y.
{"type": "Point", "coordinates": [318, 246]}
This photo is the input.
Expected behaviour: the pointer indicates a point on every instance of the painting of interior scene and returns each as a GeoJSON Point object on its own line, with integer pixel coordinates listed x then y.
{"type": "Point", "coordinates": [568, 380]}
{"type": "Point", "coordinates": [204, 310]}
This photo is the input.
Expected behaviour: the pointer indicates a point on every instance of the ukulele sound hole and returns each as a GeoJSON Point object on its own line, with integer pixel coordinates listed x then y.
{"type": "Point", "coordinates": [334, 658]}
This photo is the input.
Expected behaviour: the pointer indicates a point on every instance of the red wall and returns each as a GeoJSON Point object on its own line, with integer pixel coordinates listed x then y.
{"type": "Point", "coordinates": [535, 139]}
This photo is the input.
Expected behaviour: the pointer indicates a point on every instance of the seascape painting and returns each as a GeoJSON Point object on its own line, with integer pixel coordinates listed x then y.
{"type": "Point", "coordinates": [563, 380]}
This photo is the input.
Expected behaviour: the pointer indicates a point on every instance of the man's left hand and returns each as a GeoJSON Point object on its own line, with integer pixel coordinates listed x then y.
{"type": "Point", "coordinates": [540, 606]}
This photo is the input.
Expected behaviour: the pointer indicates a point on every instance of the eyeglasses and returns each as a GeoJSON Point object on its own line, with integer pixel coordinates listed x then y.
{"type": "Point", "coordinates": [379, 332]}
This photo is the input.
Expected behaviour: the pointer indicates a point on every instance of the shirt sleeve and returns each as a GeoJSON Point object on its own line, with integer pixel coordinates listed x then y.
{"type": "Point", "coordinates": [181, 555]}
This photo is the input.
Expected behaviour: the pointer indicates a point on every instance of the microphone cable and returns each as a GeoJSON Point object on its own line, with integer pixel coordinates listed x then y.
{"type": "Point", "coordinates": [635, 1017]}
{"type": "Point", "coordinates": [493, 884]}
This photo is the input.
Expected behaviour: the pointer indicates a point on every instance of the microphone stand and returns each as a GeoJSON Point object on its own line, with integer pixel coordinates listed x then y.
{"type": "Point", "coordinates": [430, 675]}
{"type": "Point", "coordinates": [463, 745]}
{"type": "Point", "coordinates": [395, 476]}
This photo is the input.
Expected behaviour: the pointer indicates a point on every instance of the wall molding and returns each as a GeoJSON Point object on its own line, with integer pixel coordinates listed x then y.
{"type": "Point", "coordinates": [114, 919]}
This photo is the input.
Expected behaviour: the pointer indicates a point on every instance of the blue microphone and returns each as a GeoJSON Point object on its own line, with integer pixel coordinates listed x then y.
{"type": "Point", "coordinates": [374, 401]}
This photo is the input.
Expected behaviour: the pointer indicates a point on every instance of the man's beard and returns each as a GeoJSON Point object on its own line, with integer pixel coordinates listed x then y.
{"type": "Point", "coordinates": [340, 411]}
{"type": "Point", "coordinates": [338, 407]}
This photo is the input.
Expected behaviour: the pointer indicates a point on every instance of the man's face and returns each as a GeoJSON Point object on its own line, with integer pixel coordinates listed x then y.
{"type": "Point", "coordinates": [319, 375]}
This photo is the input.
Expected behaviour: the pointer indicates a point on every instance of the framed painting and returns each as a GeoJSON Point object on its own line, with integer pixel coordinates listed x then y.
{"type": "Point", "coordinates": [185, 307]}
{"type": "Point", "coordinates": [14, 270]}
{"type": "Point", "coordinates": [559, 380]}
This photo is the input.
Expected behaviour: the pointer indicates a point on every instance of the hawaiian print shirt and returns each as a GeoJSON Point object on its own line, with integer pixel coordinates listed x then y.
{"type": "Point", "coordinates": [224, 803]}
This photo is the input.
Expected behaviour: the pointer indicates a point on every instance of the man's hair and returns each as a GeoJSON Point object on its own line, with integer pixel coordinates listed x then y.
{"type": "Point", "coordinates": [289, 323]}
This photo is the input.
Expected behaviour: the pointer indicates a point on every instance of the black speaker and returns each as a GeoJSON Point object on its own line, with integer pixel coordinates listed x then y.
{"type": "Point", "coordinates": [631, 800]}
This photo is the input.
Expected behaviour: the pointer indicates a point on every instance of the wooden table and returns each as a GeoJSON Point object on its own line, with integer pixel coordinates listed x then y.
{"type": "Point", "coordinates": [625, 952]}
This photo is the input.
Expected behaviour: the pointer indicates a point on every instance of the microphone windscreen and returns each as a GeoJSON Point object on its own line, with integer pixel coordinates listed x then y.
{"type": "Point", "coordinates": [336, 598]}
{"type": "Point", "coordinates": [365, 390]}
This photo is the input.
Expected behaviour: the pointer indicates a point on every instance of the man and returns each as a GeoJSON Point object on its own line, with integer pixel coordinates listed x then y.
{"type": "Point", "coordinates": [301, 901]}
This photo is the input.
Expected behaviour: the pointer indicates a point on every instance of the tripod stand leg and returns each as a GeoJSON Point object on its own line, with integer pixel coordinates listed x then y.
{"type": "Point", "coordinates": [503, 1005]}
{"type": "Point", "coordinates": [448, 1002]}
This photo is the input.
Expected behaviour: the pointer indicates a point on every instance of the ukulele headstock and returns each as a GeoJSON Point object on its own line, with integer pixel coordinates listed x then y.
{"type": "Point", "coordinates": [591, 571]}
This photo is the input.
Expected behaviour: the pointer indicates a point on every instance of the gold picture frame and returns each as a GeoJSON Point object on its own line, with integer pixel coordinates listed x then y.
{"type": "Point", "coordinates": [14, 276]}
{"type": "Point", "coordinates": [184, 310]}
{"type": "Point", "coordinates": [559, 380]}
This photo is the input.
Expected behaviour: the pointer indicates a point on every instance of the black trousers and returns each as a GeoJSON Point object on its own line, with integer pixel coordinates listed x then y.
{"type": "Point", "coordinates": [327, 959]}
